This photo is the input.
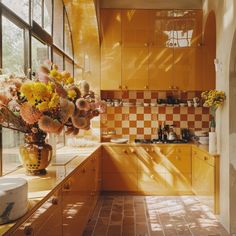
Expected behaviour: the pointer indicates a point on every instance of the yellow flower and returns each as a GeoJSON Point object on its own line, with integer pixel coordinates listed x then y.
{"type": "Point", "coordinates": [71, 94]}
{"type": "Point", "coordinates": [70, 80]}
{"type": "Point", "coordinates": [40, 91]}
{"type": "Point", "coordinates": [42, 106]}
{"type": "Point", "coordinates": [26, 90]}
{"type": "Point", "coordinates": [53, 73]}
{"type": "Point", "coordinates": [54, 101]}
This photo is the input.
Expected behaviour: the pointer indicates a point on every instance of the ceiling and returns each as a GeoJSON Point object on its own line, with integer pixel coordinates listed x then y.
{"type": "Point", "coordinates": [152, 4]}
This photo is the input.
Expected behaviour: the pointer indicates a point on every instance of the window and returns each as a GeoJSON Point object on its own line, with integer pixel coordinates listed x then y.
{"type": "Point", "coordinates": [21, 8]}
{"type": "Point", "coordinates": [12, 61]}
{"type": "Point", "coordinates": [58, 59]}
{"type": "Point", "coordinates": [37, 11]}
{"type": "Point", "coordinates": [69, 66]}
{"type": "Point", "coordinates": [68, 43]}
{"type": "Point", "coordinates": [58, 24]}
{"type": "Point", "coordinates": [48, 16]}
{"type": "Point", "coordinates": [40, 52]}
{"type": "Point", "coordinates": [16, 35]}
{"type": "Point", "coordinates": [12, 47]}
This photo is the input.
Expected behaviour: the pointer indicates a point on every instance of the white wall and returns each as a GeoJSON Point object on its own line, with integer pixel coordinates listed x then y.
{"type": "Point", "coordinates": [225, 11]}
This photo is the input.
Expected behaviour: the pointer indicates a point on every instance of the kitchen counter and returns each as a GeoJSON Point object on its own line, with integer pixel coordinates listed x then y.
{"type": "Point", "coordinates": [39, 187]}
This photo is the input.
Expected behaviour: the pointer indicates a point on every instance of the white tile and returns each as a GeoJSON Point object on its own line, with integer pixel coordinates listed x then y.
{"type": "Point", "coordinates": [140, 110]}
{"type": "Point", "coordinates": [147, 131]}
{"type": "Point", "coordinates": [132, 117]}
{"type": "Point", "coordinates": [176, 117]}
{"type": "Point", "coordinates": [125, 124]}
{"type": "Point", "coordinates": [140, 124]}
{"type": "Point", "coordinates": [147, 117]}
{"type": "Point", "coordinates": [133, 131]}
{"type": "Point", "coordinates": [118, 116]}
{"type": "Point", "coordinates": [191, 117]}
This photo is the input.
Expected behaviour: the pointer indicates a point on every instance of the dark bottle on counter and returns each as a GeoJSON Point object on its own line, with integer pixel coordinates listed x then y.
{"type": "Point", "coordinates": [164, 132]}
{"type": "Point", "coordinates": [159, 132]}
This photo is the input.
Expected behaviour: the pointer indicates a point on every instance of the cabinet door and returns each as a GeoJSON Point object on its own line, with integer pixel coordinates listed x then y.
{"type": "Point", "coordinates": [110, 27]}
{"type": "Point", "coordinates": [46, 220]}
{"type": "Point", "coordinates": [111, 68]}
{"type": "Point", "coordinates": [203, 181]}
{"type": "Point", "coordinates": [135, 68]}
{"type": "Point", "coordinates": [77, 200]}
{"type": "Point", "coordinates": [119, 168]}
{"type": "Point", "coordinates": [161, 68]}
{"type": "Point", "coordinates": [111, 49]}
{"type": "Point", "coordinates": [161, 28]}
{"type": "Point", "coordinates": [135, 28]}
{"type": "Point", "coordinates": [188, 68]}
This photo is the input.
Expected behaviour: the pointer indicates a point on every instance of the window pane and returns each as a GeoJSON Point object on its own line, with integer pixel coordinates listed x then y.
{"type": "Point", "coordinates": [40, 52]}
{"type": "Point", "coordinates": [58, 24]}
{"type": "Point", "coordinates": [48, 16]}
{"type": "Point", "coordinates": [12, 47]}
{"type": "Point", "coordinates": [13, 61]}
{"type": "Point", "coordinates": [69, 66]}
{"type": "Point", "coordinates": [21, 8]}
{"type": "Point", "coordinates": [78, 74]}
{"type": "Point", "coordinates": [68, 44]}
{"type": "Point", "coordinates": [58, 59]}
{"type": "Point", "coordinates": [37, 11]}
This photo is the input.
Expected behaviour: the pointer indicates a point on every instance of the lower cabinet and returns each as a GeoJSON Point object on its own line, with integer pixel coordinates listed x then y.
{"type": "Point", "coordinates": [119, 168]}
{"type": "Point", "coordinates": [46, 220]}
{"type": "Point", "coordinates": [164, 170]}
{"type": "Point", "coordinates": [147, 169]}
{"type": "Point", "coordinates": [67, 211]}
{"type": "Point", "coordinates": [205, 182]}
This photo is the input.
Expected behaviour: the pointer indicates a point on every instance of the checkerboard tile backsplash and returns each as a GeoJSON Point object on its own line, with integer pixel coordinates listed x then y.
{"type": "Point", "coordinates": [142, 122]}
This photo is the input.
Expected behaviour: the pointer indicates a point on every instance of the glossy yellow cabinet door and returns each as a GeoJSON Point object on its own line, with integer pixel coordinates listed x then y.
{"type": "Point", "coordinates": [205, 180]}
{"type": "Point", "coordinates": [135, 68]}
{"type": "Point", "coordinates": [119, 168]}
{"type": "Point", "coordinates": [188, 68]}
{"type": "Point", "coordinates": [161, 28]}
{"type": "Point", "coordinates": [135, 28]}
{"type": "Point", "coordinates": [110, 27]}
{"type": "Point", "coordinates": [76, 197]}
{"type": "Point", "coordinates": [111, 49]}
{"type": "Point", "coordinates": [46, 220]}
{"type": "Point", "coordinates": [111, 68]}
{"type": "Point", "coordinates": [160, 68]}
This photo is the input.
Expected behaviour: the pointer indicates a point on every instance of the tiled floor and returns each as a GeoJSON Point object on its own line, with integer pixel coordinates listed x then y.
{"type": "Point", "coordinates": [125, 215]}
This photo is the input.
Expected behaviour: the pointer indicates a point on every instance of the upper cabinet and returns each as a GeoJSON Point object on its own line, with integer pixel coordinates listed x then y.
{"type": "Point", "coordinates": [135, 28]}
{"type": "Point", "coordinates": [154, 49]}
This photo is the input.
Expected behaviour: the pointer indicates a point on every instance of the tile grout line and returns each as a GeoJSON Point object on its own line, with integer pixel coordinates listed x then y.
{"type": "Point", "coordinates": [97, 218]}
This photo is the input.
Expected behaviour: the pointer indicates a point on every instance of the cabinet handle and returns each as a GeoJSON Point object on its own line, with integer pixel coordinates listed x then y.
{"type": "Point", "coordinates": [171, 87]}
{"type": "Point", "coordinates": [147, 149]}
{"type": "Point", "coordinates": [120, 87]}
{"type": "Point", "coordinates": [146, 86]}
{"type": "Point", "coordinates": [146, 45]}
{"type": "Point", "coordinates": [54, 201]}
{"type": "Point", "coordinates": [177, 158]}
{"type": "Point", "coordinates": [67, 186]}
{"type": "Point", "coordinates": [205, 158]}
{"type": "Point", "coordinates": [152, 150]}
{"type": "Point", "coordinates": [119, 43]}
{"type": "Point", "coordinates": [92, 194]}
{"type": "Point", "coordinates": [28, 230]}
{"type": "Point", "coordinates": [133, 151]}
{"type": "Point", "coordinates": [125, 151]}
{"type": "Point", "coordinates": [125, 87]}
{"type": "Point", "coordinates": [195, 153]}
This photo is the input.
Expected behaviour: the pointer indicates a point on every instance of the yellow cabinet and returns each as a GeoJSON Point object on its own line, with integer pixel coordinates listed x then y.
{"type": "Point", "coordinates": [119, 168]}
{"type": "Point", "coordinates": [110, 27]}
{"type": "Point", "coordinates": [78, 198]}
{"type": "Point", "coordinates": [188, 68]}
{"type": "Point", "coordinates": [160, 68]}
{"type": "Point", "coordinates": [111, 49]}
{"type": "Point", "coordinates": [135, 28]}
{"type": "Point", "coordinates": [205, 180]}
{"type": "Point", "coordinates": [165, 169]}
{"type": "Point", "coordinates": [46, 220]}
{"type": "Point", "coordinates": [135, 68]}
{"type": "Point", "coordinates": [111, 68]}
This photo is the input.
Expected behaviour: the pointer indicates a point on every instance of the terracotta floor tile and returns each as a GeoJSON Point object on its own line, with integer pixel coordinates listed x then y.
{"type": "Point", "coordinates": [152, 216]}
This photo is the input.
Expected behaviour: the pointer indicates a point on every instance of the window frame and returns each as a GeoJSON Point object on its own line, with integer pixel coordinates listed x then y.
{"type": "Point", "coordinates": [32, 29]}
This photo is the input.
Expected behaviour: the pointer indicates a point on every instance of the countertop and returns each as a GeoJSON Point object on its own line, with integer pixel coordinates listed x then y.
{"type": "Point", "coordinates": [41, 186]}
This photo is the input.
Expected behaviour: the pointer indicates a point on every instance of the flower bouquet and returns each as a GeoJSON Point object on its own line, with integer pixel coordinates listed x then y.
{"type": "Point", "coordinates": [213, 99]}
{"type": "Point", "coordinates": [49, 103]}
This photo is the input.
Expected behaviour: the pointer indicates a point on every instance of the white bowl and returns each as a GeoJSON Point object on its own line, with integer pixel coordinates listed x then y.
{"type": "Point", "coordinates": [200, 133]}
{"type": "Point", "coordinates": [204, 139]}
